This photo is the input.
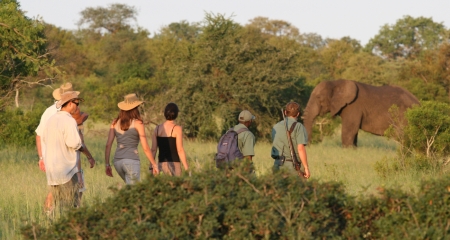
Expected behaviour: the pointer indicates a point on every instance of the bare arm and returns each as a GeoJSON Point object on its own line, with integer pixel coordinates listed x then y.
{"type": "Point", "coordinates": [39, 150]}
{"type": "Point", "coordinates": [179, 136]}
{"type": "Point", "coordinates": [154, 143]}
{"type": "Point", "coordinates": [143, 138]}
{"type": "Point", "coordinates": [109, 143]}
{"type": "Point", "coordinates": [302, 152]}
{"type": "Point", "coordinates": [86, 152]}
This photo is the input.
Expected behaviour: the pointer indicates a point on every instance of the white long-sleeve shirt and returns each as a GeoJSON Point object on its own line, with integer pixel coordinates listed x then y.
{"type": "Point", "coordinates": [61, 140]}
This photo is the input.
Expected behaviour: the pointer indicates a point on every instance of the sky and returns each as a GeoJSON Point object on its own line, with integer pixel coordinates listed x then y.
{"type": "Point", "coordinates": [358, 19]}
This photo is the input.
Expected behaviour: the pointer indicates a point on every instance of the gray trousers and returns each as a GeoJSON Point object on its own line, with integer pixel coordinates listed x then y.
{"type": "Point", "coordinates": [128, 169]}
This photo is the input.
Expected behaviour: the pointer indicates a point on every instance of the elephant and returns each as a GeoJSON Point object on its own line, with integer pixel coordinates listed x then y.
{"type": "Point", "coordinates": [360, 106]}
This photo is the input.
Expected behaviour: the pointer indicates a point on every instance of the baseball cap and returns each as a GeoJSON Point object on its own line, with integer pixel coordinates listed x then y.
{"type": "Point", "coordinates": [246, 116]}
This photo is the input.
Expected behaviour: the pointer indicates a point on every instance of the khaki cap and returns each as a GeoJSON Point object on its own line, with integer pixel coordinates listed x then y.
{"type": "Point", "coordinates": [246, 116]}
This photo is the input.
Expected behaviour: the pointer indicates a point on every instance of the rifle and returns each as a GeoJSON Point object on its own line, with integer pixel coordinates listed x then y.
{"type": "Point", "coordinates": [295, 161]}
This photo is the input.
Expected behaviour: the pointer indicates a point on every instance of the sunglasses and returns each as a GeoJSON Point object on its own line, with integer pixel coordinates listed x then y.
{"type": "Point", "coordinates": [76, 103]}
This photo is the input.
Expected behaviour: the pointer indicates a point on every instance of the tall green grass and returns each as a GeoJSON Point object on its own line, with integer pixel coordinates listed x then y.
{"type": "Point", "coordinates": [23, 186]}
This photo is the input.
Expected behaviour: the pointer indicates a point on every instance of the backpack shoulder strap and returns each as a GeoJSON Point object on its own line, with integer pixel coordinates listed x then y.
{"type": "Point", "coordinates": [292, 127]}
{"type": "Point", "coordinates": [242, 130]}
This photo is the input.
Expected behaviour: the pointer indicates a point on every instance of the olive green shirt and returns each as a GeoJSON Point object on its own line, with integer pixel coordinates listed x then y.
{"type": "Point", "coordinates": [246, 141]}
{"type": "Point", "coordinates": [280, 145]}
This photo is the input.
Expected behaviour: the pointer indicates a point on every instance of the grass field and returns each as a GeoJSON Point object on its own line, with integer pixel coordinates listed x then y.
{"type": "Point", "coordinates": [23, 185]}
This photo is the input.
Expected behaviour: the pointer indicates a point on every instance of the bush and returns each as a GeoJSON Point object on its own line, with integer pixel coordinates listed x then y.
{"type": "Point", "coordinates": [236, 205]}
{"type": "Point", "coordinates": [428, 129]}
{"type": "Point", "coordinates": [424, 139]}
{"type": "Point", "coordinates": [212, 204]}
{"type": "Point", "coordinates": [397, 215]}
{"type": "Point", "coordinates": [17, 128]}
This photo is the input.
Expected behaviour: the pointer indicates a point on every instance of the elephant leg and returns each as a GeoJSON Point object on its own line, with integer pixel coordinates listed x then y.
{"type": "Point", "coordinates": [349, 133]}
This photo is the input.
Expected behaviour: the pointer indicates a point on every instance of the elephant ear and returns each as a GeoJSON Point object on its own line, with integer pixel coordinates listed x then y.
{"type": "Point", "coordinates": [344, 92]}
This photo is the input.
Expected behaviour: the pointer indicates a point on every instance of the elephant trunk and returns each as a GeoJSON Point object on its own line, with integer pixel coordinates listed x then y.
{"type": "Point", "coordinates": [311, 112]}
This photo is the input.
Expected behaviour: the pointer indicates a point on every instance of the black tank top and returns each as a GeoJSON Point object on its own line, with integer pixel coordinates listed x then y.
{"type": "Point", "coordinates": [167, 148]}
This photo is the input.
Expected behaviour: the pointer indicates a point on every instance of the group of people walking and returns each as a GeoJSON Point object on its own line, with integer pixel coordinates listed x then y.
{"type": "Point", "coordinates": [59, 142]}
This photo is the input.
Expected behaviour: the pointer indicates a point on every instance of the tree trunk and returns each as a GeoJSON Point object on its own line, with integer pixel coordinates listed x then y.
{"type": "Point", "coordinates": [17, 98]}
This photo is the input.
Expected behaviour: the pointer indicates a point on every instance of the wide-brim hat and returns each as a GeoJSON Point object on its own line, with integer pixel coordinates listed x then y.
{"type": "Point", "coordinates": [66, 87]}
{"type": "Point", "coordinates": [130, 101]}
{"type": "Point", "coordinates": [246, 116]}
{"type": "Point", "coordinates": [67, 96]}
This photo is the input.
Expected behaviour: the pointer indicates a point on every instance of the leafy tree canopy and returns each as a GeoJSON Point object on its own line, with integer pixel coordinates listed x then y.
{"type": "Point", "coordinates": [182, 30]}
{"type": "Point", "coordinates": [22, 50]}
{"type": "Point", "coordinates": [114, 18]}
{"type": "Point", "coordinates": [407, 37]}
{"type": "Point", "coordinates": [274, 27]}
{"type": "Point", "coordinates": [231, 68]}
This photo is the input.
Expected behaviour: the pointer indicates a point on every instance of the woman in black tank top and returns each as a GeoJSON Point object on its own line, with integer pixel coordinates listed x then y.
{"type": "Point", "coordinates": [167, 147]}
{"type": "Point", "coordinates": [168, 138]}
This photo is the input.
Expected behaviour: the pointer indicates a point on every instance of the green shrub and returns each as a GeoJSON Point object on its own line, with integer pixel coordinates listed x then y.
{"type": "Point", "coordinates": [397, 215]}
{"type": "Point", "coordinates": [424, 139]}
{"type": "Point", "coordinates": [212, 204]}
{"type": "Point", "coordinates": [428, 129]}
{"type": "Point", "coordinates": [236, 205]}
{"type": "Point", "coordinates": [17, 128]}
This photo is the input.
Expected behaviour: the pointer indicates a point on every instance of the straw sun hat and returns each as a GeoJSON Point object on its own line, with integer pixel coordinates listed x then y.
{"type": "Point", "coordinates": [66, 87]}
{"type": "Point", "coordinates": [67, 96]}
{"type": "Point", "coordinates": [130, 101]}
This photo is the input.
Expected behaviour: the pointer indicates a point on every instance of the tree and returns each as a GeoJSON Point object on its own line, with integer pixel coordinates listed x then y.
{"type": "Point", "coordinates": [22, 51]}
{"type": "Point", "coordinates": [312, 40]}
{"type": "Point", "coordinates": [231, 68]}
{"type": "Point", "coordinates": [368, 68]}
{"type": "Point", "coordinates": [407, 37]}
{"type": "Point", "coordinates": [112, 19]}
{"type": "Point", "coordinates": [182, 30]}
{"type": "Point", "coordinates": [274, 27]}
{"type": "Point", "coordinates": [428, 76]}
{"type": "Point", "coordinates": [336, 55]}
{"type": "Point", "coordinates": [67, 51]}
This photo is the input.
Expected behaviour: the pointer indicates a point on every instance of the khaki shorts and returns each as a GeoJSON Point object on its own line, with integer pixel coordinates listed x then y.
{"type": "Point", "coordinates": [67, 195]}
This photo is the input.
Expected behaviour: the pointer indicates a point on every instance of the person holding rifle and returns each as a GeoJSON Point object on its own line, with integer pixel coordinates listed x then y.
{"type": "Point", "coordinates": [289, 139]}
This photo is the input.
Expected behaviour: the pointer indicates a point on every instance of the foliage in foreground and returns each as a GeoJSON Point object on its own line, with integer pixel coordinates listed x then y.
{"type": "Point", "coordinates": [237, 205]}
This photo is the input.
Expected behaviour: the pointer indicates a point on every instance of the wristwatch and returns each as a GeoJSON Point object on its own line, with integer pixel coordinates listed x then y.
{"type": "Point", "coordinates": [40, 158]}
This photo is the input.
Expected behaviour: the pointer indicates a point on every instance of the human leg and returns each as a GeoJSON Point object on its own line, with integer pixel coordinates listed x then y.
{"type": "Point", "coordinates": [67, 195]}
{"type": "Point", "coordinates": [170, 168]}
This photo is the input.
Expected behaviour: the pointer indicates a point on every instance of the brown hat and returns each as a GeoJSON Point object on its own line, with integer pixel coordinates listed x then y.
{"type": "Point", "coordinates": [130, 101]}
{"type": "Point", "coordinates": [66, 87]}
{"type": "Point", "coordinates": [67, 96]}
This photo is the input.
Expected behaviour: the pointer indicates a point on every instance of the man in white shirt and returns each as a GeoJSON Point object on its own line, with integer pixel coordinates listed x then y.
{"type": "Point", "coordinates": [40, 146]}
{"type": "Point", "coordinates": [50, 111]}
{"type": "Point", "coordinates": [62, 140]}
